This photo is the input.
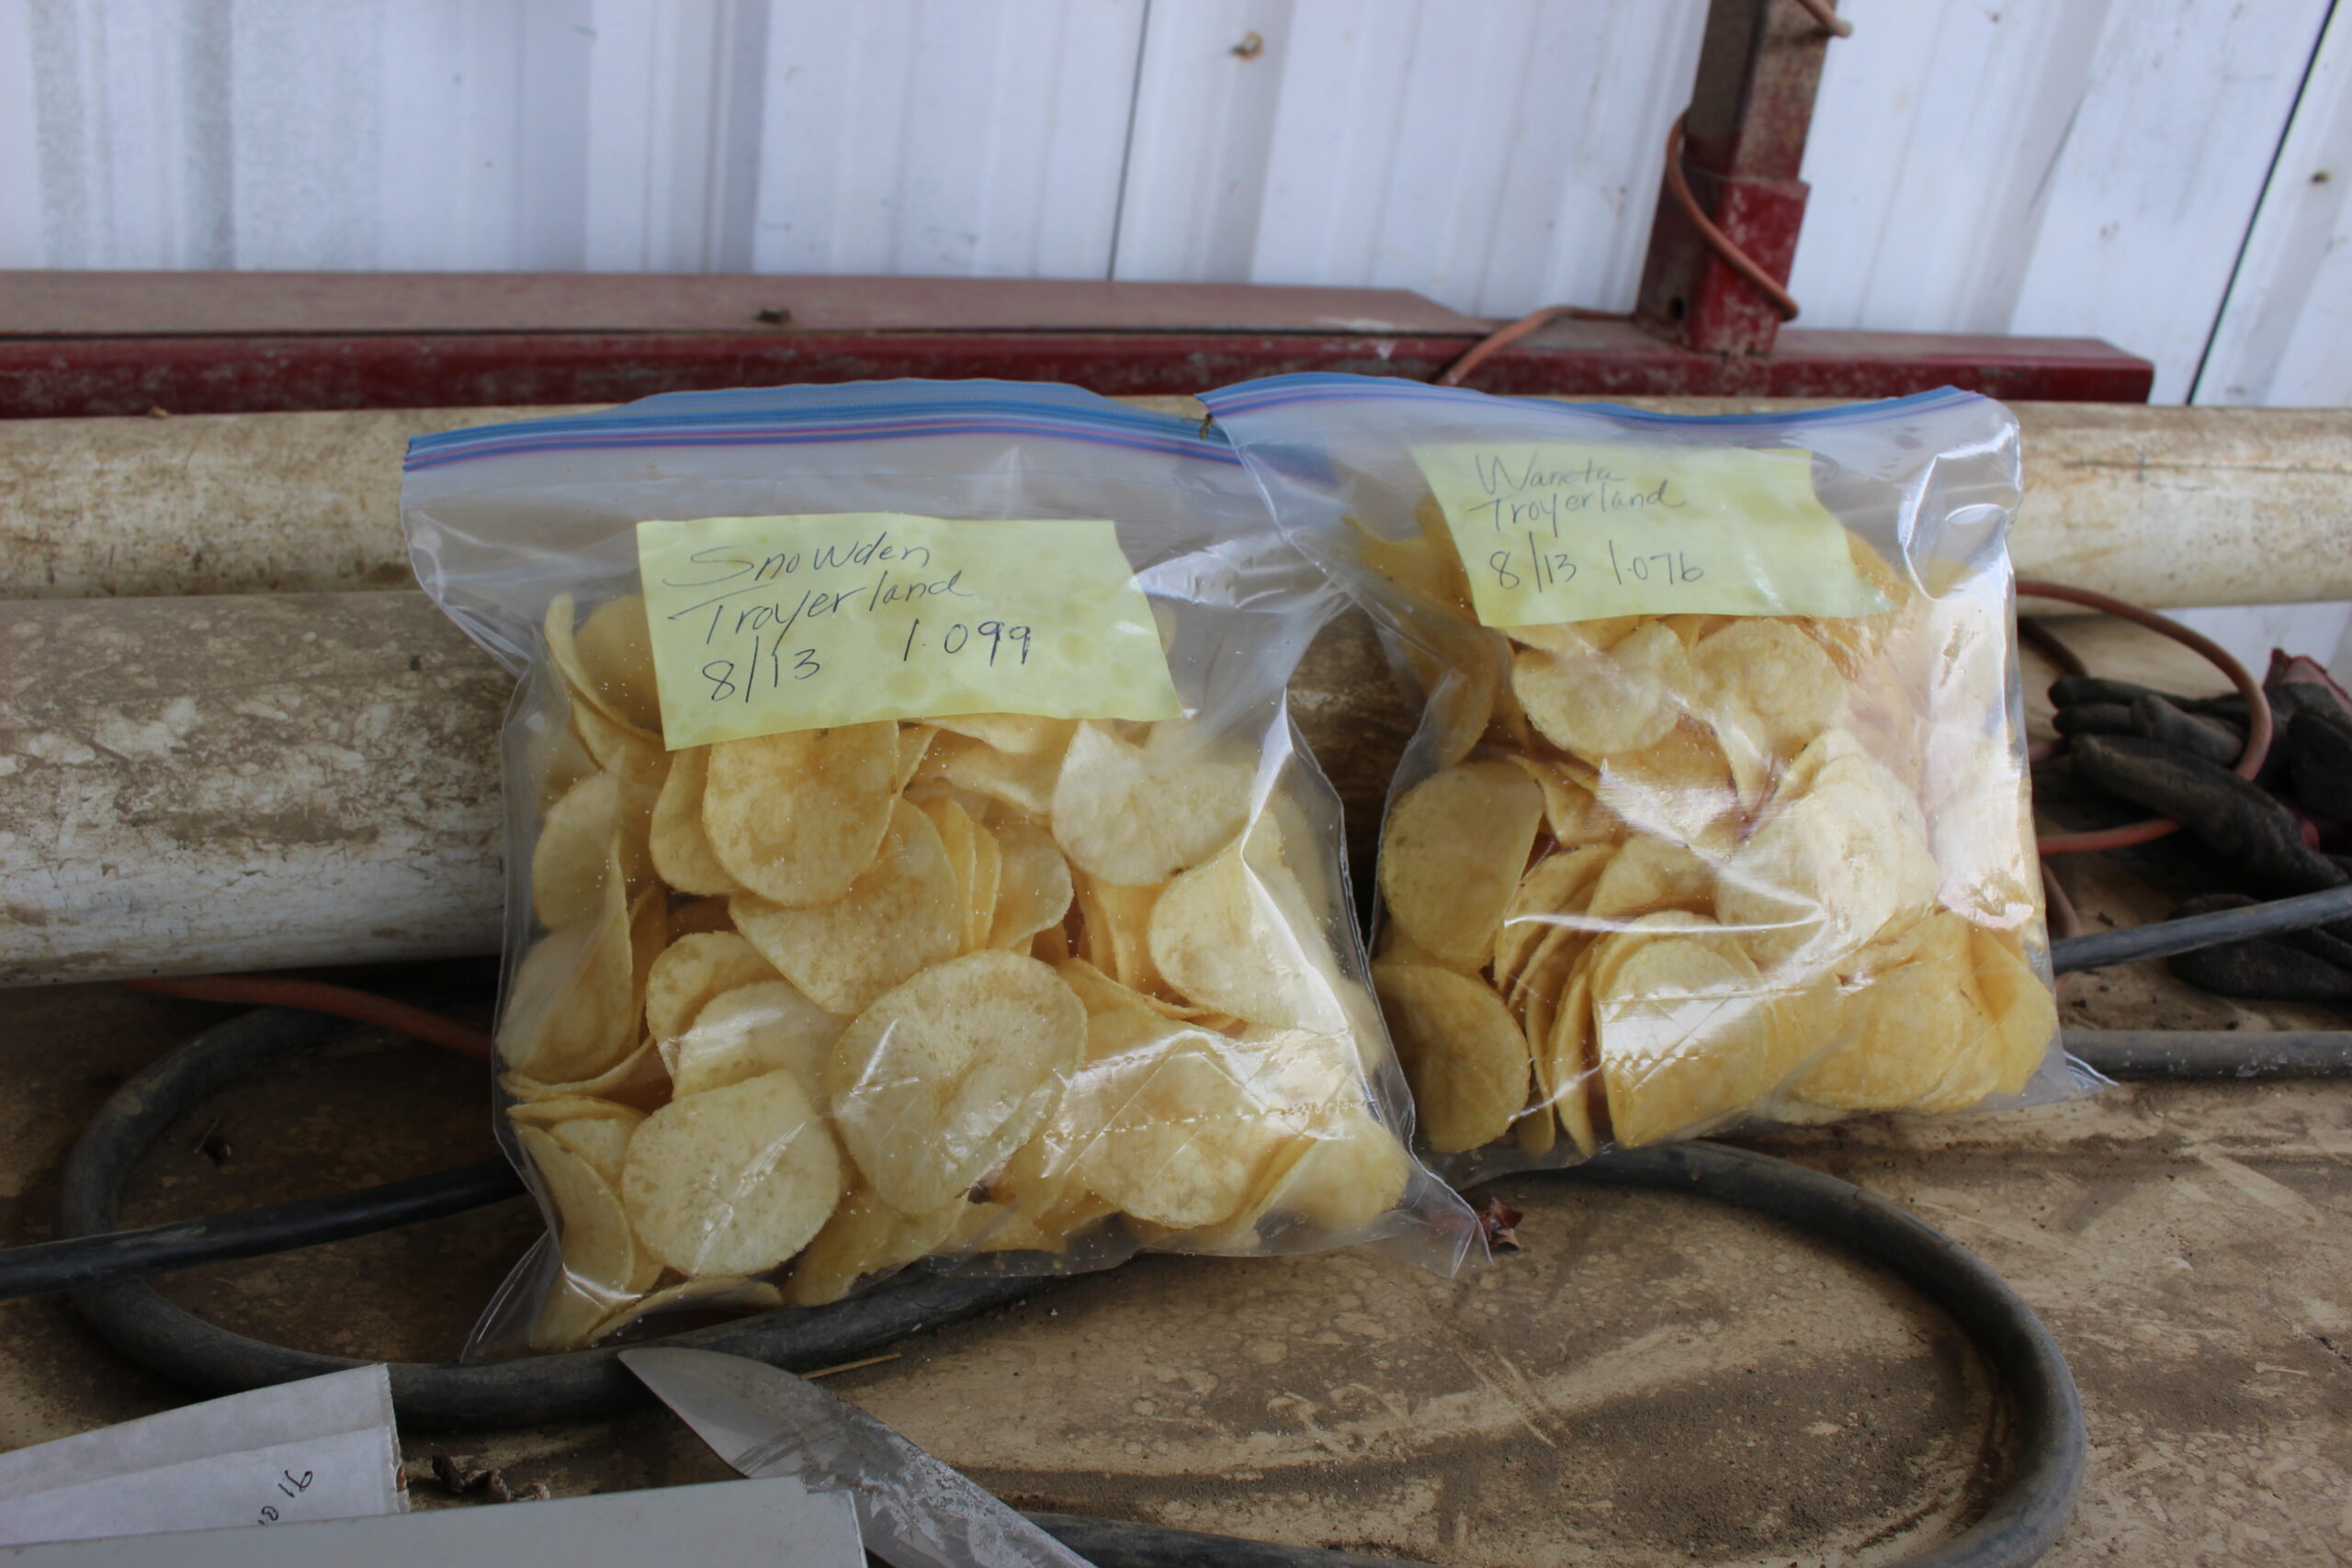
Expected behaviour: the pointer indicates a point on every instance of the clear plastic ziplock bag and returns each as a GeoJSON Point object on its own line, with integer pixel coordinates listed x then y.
{"type": "Point", "coordinates": [913, 857]}
{"type": "Point", "coordinates": [1717, 813]}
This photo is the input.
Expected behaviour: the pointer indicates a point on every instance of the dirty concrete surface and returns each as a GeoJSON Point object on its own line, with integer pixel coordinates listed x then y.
{"type": "Point", "coordinates": [1650, 1381]}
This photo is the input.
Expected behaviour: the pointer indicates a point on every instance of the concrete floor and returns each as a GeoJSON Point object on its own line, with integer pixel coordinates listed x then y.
{"type": "Point", "coordinates": [1651, 1381]}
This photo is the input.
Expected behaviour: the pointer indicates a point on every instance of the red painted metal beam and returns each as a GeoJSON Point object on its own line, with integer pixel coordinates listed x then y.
{"type": "Point", "coordinates": [1759, 65]}
{"type": "Point", "coordinates": [85, 377]}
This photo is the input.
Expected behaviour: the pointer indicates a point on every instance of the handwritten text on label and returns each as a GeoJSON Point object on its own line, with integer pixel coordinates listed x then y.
{"type": "Point", "coordinates": [762, 624]}
{"type": "Point", "coordinates": [1564, 532]}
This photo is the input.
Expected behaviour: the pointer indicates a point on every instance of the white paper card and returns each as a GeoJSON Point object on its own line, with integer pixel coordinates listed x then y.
{"type": "Point", "coordinates": [765, 1522]}
{"type": "Point", "coordinates": [322, 1448]}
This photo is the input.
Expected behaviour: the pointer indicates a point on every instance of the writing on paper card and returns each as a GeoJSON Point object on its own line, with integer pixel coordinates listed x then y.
{"type": "Point", "coordinates": [1576, 532]}
{"type": "Point", "coordinates": [764, 624]}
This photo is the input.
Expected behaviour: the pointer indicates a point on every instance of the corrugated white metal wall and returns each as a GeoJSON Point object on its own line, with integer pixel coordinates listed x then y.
{"type": "Point", "coordinates": [2166, 174]}
{"type": "Point", "coordinates": [2156, 172]}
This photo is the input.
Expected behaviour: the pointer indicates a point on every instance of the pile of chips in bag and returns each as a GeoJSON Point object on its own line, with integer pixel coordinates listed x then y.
{"type": "Point", "coordinates": [1648, 875]}
{"type": "Point", "coordinates": [805, 1008]}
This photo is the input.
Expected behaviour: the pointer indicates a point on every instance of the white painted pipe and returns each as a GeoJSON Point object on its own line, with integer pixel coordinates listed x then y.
{"type": "Point", "coordinates": [192, 785]}
{"type": "Point", "coordinates": [2166, 507]}
{"type": "Point", "coordinates": [275, 780]}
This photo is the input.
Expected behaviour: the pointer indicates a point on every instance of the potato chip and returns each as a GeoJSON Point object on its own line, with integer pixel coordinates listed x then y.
{"type": "Point", "coordinates": [602, 1141]}
{"type": "Point", "coordinates": [1461, 703]}
{"type": "Point", "coordinates": [1774, 677]}
{"type": "Point", "coordinates": [1463, 1054]}
{"type": "Point", "coordinates": [958, 835]}
{"type": "Point", "coordinates": [599, 1248]}
{"type": "Point", "coordinates": [735, 1294]}
{"type": "Point", "coordinates": [902, 913]}
{"type": "Point", "coordinates": [571, 1006]}
{"type": "Point", "coordinates": [1235, 935]}
{"type": "Point", "coordinates": [681, 851]}
{"type": "Point", "coordinates": [637, 1081]}
{"type": "Point", "coordinates": [1115, 931]}
{"type": "Point", "coordinates": [1023, 782]}
{"type": "Point", "coordinates": [734, 1180]}
{"type": "Point", "coordinates": [614, 651]}
{"type": "Point", "coordinates": [1566, 1072]}
{"type": "Point", "coordinates": [941, 1078]}
{"type": "Point", "coordinates": [864, 1236]}
{"type": "Point", "coordinates": [1451, 855]}
{"type": "Point", "coordinates": [1589, 701]}
{"type": "Point", "coordinates": [1682, 787]}
{"type": "Point", "coordinates": [1823, 872]}
{"type": "Point", "coordinates": [554, 758]}
{"type": "Point", "coordinates": [1033, 889]}
{"type": "Point", "coordinates": [2018, 1001]}
{"type": "Point", "coordinates": [648, 935]}
{"type": "Point", "coordinates": [1135, 815]}
{"type": "Point", "coordinates": [573, 851]}
{"type": "Point", "coordinates": [750, 1031]}
{"type": "Point", "coordinates": [638, 760]}
{"type": "Point", "coordinates": [1398, 948]}
{"type": "Point", "coordinates": [1537, 991]}
{"type": "Point", "coordinates": [1557, 886]}
{"type": "Point", "coordinates": [1179, 1136]}
{"type": "Point", "coordinates": [987, 876]}
{"type": "Point", "coordinates": [1101, 993]}
{"type": "Point", "coordinates": [1647, 874]}
{"type": "Point", "coordinates": [1571, 810]}
{"type": "Point", "coordinates": [795, 818]}
{"type": "Point", "coordinates": [1050, 1232]}
{"type": "Point", "coordinates": [546, 1113]}
{"type": "Point", "coordinates": [1688, 1038]}
{"type": "Point", "coordinates": [694, 969]}
{"type": "Point", "coordinates": [1911, 1013]}
{"type": "Point", "coordinates": [914, 744]}
{"type": "Point", "coordinates": [589, 686]}
{"type": "Point", "coordinates": [570, 1313]}
{"type": "Point", "coordinates": [1422, 567]}
{"type": "Point", "coordinates": [1343, 1179]}
{"type": "Point", "coordinates": [1017, 734]}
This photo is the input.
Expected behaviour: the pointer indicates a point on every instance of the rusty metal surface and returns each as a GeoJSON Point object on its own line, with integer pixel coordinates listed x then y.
{"type": "Point", "coordinates": [243, 304]}
{"type": "Point", "coordinates": [2164, 506]}
{"type": "Point", "coordinates": [46, 379]}
{"type": "Point", "coordinates": [1751, 107]}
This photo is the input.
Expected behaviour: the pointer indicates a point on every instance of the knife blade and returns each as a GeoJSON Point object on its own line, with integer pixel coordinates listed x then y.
{"type": "Point", "coordinates": [916, 1511]}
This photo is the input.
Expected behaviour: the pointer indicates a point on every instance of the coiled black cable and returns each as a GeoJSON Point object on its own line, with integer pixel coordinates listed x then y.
{"type": "Point", "coordinates": [98, 1254]}
{"type": "Point", "coordinates": [176, 1343]}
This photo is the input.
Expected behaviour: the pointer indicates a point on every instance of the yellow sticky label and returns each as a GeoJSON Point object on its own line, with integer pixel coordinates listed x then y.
{"type": "Point", "coordinates": [1558, 532]}
{"type": "Point", "coordinates": [762, 624]}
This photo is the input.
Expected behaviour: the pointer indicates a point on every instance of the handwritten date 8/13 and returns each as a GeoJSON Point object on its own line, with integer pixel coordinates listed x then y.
{"type": "Point", "coordinates": [1553, 567]}
{"type": "Point", "coordinates": [772, 667]}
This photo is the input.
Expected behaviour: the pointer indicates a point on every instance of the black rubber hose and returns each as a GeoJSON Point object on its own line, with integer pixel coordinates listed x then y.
{"type": "Point", "coordinates": [97, 1260]}
{"type": "Point", "coordinates": [2213, 1053]}
{"type": "Point", "coordinates": [178, 1345]}
{"type": "Point", "coordinates": [187, 1349]}
{"type": "Point", "coordinates": [2162, 939]}
{"type": "Point", "coordinates": [252, 1233]}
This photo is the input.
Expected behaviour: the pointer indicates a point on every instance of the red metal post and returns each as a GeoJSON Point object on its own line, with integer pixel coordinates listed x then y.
{"type": "Point", "coordinates": [1759, 64]}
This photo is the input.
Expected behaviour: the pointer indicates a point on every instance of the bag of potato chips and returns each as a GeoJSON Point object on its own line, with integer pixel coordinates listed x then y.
{"type": "Point", "coordinates": [911, 856]}
{"type": "Point", "coordinates": [1717, 812]}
